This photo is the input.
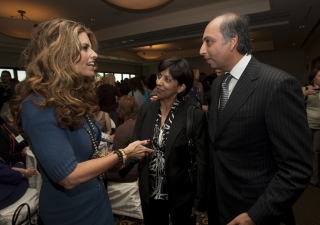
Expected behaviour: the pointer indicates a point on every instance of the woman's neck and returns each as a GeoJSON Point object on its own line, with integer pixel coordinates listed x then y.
{"type": "Point", "coordinates": [166, 105]}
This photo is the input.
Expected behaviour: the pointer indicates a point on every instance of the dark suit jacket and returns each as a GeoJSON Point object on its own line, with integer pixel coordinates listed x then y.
{"type": "Point", "coordinates": [261, 151]}
{"type": "Point", "coordinates": [177, 158]}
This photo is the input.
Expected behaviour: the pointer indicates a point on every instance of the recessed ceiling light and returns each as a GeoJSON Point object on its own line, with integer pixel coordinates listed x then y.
{"type": "Point", "coordinates": [301, 26]}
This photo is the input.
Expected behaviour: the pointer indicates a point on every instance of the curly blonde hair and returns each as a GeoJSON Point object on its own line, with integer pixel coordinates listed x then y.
{"type": "Point", "coordinates": [49, 61]}
{"type": "Point", "coordinates": [109, 79]}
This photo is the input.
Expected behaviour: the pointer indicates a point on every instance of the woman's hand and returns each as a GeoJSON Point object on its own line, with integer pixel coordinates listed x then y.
{"type": "Point", "coordinates": [310, 91]}
{"type": "Point", "coordinates": [30, 172]}
{"type": "Point", "coordinates": [136, 150]}
{"type": "Point", "coordinates": [24, 152]}
{"type": "Point", "coordinates": [153, 98]}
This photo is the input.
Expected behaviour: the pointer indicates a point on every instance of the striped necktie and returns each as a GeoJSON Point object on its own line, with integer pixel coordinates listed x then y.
{"type": "Point", "coordinates": [224, 94]}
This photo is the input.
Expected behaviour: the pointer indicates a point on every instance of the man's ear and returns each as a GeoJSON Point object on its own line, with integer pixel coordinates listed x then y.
{"type": "Point", "coordinates": [181, 88]}
{"type": "Point", "coordinates": [233, 42]}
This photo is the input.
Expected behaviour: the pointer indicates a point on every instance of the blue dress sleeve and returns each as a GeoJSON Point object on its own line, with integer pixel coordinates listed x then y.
{"type": "Point", "coordinates": [49, 142]}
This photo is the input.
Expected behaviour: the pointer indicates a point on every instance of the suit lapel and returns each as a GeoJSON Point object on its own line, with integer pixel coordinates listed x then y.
{"type": "Point", "coordinates": [179, 122]}
{"type": "Point", "coordinates": [241, 92]}
{"type": "Point", "coordinates": [213, 112]}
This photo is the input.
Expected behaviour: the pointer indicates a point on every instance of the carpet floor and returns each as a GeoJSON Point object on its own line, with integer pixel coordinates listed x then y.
{"type": "Point", "coordinates": [306, 210]}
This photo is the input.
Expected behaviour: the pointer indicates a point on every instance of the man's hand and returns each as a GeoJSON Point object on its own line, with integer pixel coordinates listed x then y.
{"type": "Point", "coordinates": [242, 219]}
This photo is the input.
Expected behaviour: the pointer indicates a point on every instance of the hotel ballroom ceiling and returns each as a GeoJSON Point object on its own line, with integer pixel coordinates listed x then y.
{"type": "Point", "coordinates": [175, 28]}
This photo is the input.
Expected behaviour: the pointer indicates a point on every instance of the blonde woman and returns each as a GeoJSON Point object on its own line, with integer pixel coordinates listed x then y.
{"type": "Point", "coordinates": [108, 95]}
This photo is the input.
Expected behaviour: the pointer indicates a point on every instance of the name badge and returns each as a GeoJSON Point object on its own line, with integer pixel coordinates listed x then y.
{"type": "Point", "coordinates": [19, 138]}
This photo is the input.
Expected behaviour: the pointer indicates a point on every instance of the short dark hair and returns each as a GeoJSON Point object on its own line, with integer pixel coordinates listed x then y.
{"type": "Point", "coordinates": [312, 75]}
{"type": "Point", "coordinates": [5, 71]}
{"type": "Point", "coordinates": [234, 24]}
{"type": "Point", "coordinates": [180, 71]}
{"type": "Point", "coordinates": [136, 84]}
{"type": "Point", "coordinates": [152, 81]}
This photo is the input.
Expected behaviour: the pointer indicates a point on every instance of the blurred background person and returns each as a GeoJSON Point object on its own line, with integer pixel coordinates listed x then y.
{"type": "Point", "coordinates": [151, 85]}
{"type": "Point", "coordinates": [218, 72]}
{"type": "Point", "coordinates": [207, 82]}
{"type": "Point", "coordinates": [136, 90]}
{"type": "Point", "coordinates": [195, 95]}
{"type": "Point", "coordinates": [312, 99]}
{"type": "Point", "coordinates": [13, 145]}
{"type": "Point", "coordinates": [6, 89]}
{"type": "Point", "coordinates": [104, 122]}
{"type": "Point", "coordinates": [127, 112]}
{"type": "Point", "coordinates": [13, 182]}
{"type": "Point", "coordinates": [124, 86]}
{"type": "Point", "coordinates": [145, 89]}
{"type": "Point", "coordinates": [108, 95]}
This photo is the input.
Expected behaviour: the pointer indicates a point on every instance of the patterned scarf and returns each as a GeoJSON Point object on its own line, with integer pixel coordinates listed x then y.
{"type": "Point", "coordinates": [157, 175]}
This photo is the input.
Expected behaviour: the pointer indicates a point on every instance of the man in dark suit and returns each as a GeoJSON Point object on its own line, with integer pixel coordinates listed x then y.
{"type": "Point", "coordinates": [260, 156]}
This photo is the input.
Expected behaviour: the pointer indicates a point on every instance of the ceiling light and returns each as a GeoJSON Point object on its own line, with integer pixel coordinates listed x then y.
{"type": "Point", "coordinates": [149, 54]}
{"type": "Point", "coordinates": [17, 28]}
{"type": "Point", "coordinates": [137, 4]}
{"type": "Point", "coordinates": [301, 27]}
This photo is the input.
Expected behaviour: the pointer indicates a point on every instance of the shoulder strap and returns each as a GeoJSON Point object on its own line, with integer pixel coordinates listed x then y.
{"type": "Point", "coordinates": [192, 150]}
{"type": "Point", "coordinates": [190, 122]}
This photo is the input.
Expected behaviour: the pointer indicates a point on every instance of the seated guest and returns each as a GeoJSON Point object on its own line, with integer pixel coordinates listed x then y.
{"type": "Point", "coordinates": [13, 144]}
{"type": "Point", "coordinates": [127, 112]}
{"type": "Point", "coordinates": [13, 182]}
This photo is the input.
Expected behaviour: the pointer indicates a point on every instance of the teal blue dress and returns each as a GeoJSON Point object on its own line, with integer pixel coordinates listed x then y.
{"type": "Point", "coordinates": [58, 151]}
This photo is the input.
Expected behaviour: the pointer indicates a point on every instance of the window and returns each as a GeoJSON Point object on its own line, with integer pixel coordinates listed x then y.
{"type": "Point", "coordinates": [21, 75]}
{"type": "Point", "coordinates": [118, 76]}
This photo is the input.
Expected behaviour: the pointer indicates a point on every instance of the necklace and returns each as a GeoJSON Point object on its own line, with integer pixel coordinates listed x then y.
{"type": "Point", "coordinates": [95, 150]}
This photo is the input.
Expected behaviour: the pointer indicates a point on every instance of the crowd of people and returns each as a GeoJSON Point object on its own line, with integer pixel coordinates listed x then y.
{"type": "Point", "coordinates": [253, 159]}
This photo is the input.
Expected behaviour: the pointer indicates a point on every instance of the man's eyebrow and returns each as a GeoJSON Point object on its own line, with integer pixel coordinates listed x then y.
{"type": "Point", "coordinates": [207, 37]}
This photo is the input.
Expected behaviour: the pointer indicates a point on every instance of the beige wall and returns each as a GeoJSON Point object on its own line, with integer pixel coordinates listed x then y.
{"type": "Point", "coordinates": [10, 59]}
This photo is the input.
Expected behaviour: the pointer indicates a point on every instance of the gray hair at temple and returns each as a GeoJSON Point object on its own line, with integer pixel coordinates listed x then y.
{"type": "Point", "coordinates": [234, 24]}
{"type": "Point", "coordinates": [5, 113]}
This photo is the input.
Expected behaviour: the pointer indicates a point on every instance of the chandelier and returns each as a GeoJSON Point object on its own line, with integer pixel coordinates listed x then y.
{"type": "Point", "coordinates": [17, 28]}
{"type": "Point", "coordinates": [150, 54]}
{"type": "Point", "coordinates": [137, 4]}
